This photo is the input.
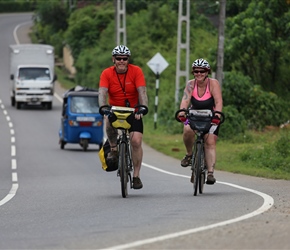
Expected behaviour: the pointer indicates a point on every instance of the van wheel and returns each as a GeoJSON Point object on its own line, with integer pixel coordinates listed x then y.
{"type": "Point", "coordinates": [18, 105]}
{"type": "Point", "coordinates": [12, 101]}
{"type": "Point", "coordinates": [49, 105]}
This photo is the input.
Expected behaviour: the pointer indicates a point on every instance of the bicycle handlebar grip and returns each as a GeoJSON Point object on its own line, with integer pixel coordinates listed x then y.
{"type": "Point", "coordinates": [104, 110]}
{"type": "Point", "coordinates": [222, 116]}
{"type": "Point", "coordinates": [179, 111]}
{"type": "Point", "coordinates": [142, 109]}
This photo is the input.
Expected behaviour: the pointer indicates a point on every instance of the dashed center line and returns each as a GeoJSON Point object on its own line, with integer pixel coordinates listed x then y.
{"type": "Point", "coordinates": [14, 177]}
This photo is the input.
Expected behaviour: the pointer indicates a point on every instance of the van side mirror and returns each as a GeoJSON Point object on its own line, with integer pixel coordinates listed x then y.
{"type": "Point", "coordinates": [54, 78]}
{"type": "Point", "coordinates": [11, 77]}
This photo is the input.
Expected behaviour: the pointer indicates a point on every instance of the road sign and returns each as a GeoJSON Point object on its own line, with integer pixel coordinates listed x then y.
{"type": "Point", "coordinates": [157, 64]}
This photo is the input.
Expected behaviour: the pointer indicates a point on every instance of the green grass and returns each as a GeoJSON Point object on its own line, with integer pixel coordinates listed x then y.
{"type": "Point", "coordinates": [230, 152]}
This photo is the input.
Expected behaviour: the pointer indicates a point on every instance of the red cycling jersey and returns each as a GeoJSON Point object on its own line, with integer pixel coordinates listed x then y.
{"type": "Point", "coordinates": [122, 86]}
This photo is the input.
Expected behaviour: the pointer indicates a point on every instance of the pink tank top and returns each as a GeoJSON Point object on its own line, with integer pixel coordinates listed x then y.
{"type": "Point", "coordinates": [205, 101]}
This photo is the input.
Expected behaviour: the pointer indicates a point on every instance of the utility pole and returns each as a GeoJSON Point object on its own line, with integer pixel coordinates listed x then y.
{"type": "Point", "coordinates": [120, 17]}
{"type": "Point", "coordinates": [221, 39]}
{"type": "Point", "coordinates": [183, 24]}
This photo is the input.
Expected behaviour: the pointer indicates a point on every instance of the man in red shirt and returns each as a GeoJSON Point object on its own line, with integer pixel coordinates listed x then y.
{"type": "Point", "coordinates": [125, 86]}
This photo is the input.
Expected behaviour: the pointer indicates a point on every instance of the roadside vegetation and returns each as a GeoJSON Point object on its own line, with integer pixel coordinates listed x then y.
{"type": "Point", "coordinates": [256, 88]}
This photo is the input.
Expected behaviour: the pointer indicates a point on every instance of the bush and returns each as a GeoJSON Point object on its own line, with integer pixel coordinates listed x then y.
{"type": "Point", "coordinates": [236, 88]}
{"type": "Point", "coordinates": [235, 123]}
{"type": "Point", "coordinates": [50, 23]}
{"type": "Point", "coordinates": [264, 108]}
{"type": "Point", "coordinates": [86, 26]}
{"type": "Point", "coordinates": [274, 156]}
{"type": "Point", "coordinates": [260, 108]}
{"type": "Point", "coordinates": [16, 6]}
{"type": "Point", "coordinates": [52, 13]}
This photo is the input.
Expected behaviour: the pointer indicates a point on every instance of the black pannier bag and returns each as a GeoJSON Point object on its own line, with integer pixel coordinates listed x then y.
{"type": "Point", "coordinates": [108, 166]}
{"type": "Point", "coordinates": [200, 119]}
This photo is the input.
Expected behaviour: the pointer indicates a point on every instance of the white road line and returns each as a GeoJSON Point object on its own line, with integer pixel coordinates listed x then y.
{"type": "Point", "coordinates": [15, 184]}
{"type": "Point", "coordinates": [11, 194]}
{"type": "Point", "coordinates": [267, 204]}
{"type": "Point", "coordinates": [14, 177]}
{"type": "Point", "coordinates": [13, 164]}
{"type": "Point", "coordinates": [15, 31]}
{"type": "Point", "coordinates": [13, 150]}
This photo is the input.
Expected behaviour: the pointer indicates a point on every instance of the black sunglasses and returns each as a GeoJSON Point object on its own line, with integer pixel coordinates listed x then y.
{"type": "Point", "coordinates": [199, 71]}
{"type": "Point", "coordinates": [122, 58]}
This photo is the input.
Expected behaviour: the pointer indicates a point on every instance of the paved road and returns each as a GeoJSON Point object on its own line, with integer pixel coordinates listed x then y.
{"type": "Point", "coordinates": [61, 199]}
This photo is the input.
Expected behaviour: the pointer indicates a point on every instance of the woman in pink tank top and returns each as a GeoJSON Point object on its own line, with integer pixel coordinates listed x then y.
{"type": "Point", "coordinates": [202, 92]}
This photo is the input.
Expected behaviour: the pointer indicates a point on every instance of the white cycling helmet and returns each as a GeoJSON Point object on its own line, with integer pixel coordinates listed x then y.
{"type": "Point", "coordinates": [201, 63]}
{"type": "Point", "coordinates": [121, 50]}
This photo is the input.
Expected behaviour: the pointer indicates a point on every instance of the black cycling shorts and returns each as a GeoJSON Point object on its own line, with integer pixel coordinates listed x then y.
{"type": "Point", "coordinates": [214, 130]}
{"type": "Point", "coordinates": [137, 126]}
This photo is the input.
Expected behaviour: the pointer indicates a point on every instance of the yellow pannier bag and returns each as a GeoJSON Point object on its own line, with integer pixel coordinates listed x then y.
{"type": "Point", "coordinates": [108, 166]}
{"type": "Point", "coordinates": [122, 117]}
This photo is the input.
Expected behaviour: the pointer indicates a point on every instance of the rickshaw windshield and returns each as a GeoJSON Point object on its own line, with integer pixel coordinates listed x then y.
{"type": "Point", "coordinates": [84, 104]}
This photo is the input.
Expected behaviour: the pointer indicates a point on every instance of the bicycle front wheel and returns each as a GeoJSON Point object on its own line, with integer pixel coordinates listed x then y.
{"type": "Point", "coordinates": [202, 171]}
{"type": "Point", "coordinates": [123, 169]}
{"type": "Point", "coordinates": [197, 169]}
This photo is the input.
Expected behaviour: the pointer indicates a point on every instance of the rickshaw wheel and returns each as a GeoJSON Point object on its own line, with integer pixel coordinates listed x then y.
{"type": "Point", "coordinates": [62, 143]}
{"type": "Point", "coordinates": [85, 144]}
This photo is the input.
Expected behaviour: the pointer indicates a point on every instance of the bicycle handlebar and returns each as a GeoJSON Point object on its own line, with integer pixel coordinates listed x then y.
{"type": "Point", "coordinates": [107, 109]}
{"type": "Point", "coordinates": [186, 111]}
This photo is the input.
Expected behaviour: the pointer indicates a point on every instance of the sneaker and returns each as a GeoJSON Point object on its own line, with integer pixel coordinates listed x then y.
{"type": "Point", "coordinates": [186, 161]}
{"type": "Point", "coordinates": [210, 180]}
{"type": "Point", "coordinates": [137, 183]}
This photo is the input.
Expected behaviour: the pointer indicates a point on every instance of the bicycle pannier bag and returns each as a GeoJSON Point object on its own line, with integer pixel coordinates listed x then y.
{"type": "Point", "coordinates": [200, 119]}
{"type": "Point", "coordinates": [108, 166]}
{"type": "Point", "coordinates": [122, 117]}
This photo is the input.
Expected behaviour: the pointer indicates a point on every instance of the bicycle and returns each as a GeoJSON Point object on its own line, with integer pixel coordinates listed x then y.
{"type": "Point", "coordinates": [121, 118]}
{"type": "Point", "coordinates": [200, 123]}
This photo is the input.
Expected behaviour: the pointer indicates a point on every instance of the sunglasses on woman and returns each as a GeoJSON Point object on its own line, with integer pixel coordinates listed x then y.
{"type": "Point", "coordinates": [199, 71]}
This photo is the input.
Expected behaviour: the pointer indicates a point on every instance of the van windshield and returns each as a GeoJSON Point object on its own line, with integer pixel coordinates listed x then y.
{"type": "Point", "coordinates": [84, 104]}
{"type": "Point", "coordinates": [34, 74]}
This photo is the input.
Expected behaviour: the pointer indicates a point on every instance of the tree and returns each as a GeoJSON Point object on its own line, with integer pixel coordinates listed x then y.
{"type": "Point", "coordinates": [258, 44]}
{"type": "Point", "coordinates": [86, 26]}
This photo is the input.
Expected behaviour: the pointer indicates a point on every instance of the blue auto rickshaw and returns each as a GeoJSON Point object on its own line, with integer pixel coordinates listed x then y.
{"type": "Point", "coordinates": [81, 122]}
